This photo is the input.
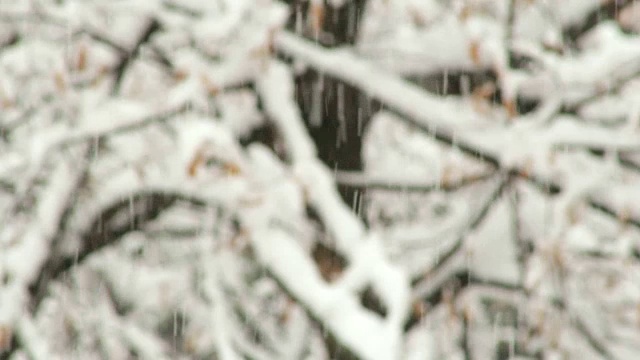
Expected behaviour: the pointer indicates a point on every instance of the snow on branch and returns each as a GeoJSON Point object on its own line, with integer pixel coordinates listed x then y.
{"type": "Point", "coordinates": [432, 115]}
{"type": "Point", "coordinates": [368, 262]}
{"type": "Point", "coordinates": [123, 124]}
{"type": "Point", "coordinates": [277, 90]}
{"type": "Point", "coordinates": [359, 329]}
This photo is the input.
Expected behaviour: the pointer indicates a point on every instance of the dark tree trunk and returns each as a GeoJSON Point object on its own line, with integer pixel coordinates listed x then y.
{"type": "Point", "coordinates": [335, 113]}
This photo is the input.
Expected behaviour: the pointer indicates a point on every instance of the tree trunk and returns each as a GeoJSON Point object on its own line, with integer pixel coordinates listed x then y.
{"type": "Point", "coordinates": [335, 113]}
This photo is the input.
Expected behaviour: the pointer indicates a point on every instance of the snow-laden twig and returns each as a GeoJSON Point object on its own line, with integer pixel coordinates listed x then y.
{"type": "Point", "coordinates": [220, 310]}
{"type": "Point", "coordinates": [35, 345]}
{"type": "Point", "coordinates": [111, 128]}
{"type": "Point", "coordinates": [26, 246]}
{"type": "Point", "coordinates": [48, 143]}
{"type": "Point", "coordinates": [434, 281]}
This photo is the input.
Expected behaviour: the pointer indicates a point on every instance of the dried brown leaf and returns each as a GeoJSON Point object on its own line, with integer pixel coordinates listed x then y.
{"type": "Point", "coordinates": [485, 91]}
{"type": "Point", "coordinates": [60, 81]}
{"type": "Point", "coordinates": [447, 176]}
{"type": "Point", "coordinates": [211, 88]}
{"type": "Point", "coordinates": [316, 16]}
{"type": "Point", "coordinates": [420, 309]}
{"type": "Point", "coordinates": [81, 57]}
{"type": "Point", "coordinates": [195, 163]}
{"type": "Point", "coordinates": [465, 13]}
{"type": "Point", "coordinates": [6, 336]}
{"type": "Point", "coordinates": [180, 74]}
{"type": "Point", "coordinates": [231, 169]}
{"type": "Point", "coordinates": [511, 107]}
{"type": "Point", "coordinates": [5, 101]}
{"type": "Point", "coordinates": [625, 214]}
{"type": "Point", "coordinates": [474, 52]}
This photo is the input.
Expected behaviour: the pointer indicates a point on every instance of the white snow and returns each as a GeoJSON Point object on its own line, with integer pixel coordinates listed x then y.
{"type": "Point", "coordinates": [233, 259]}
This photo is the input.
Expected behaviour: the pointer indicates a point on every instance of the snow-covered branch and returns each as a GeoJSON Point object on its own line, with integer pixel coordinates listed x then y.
{"type": "Point", "coordinates": [368, 263]}
{"type": "Point", "coordinates": [424, 109]}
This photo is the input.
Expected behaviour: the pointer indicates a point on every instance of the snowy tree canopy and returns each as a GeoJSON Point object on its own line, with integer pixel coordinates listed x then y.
{"type": "Point", "coordinates": [310, 179]}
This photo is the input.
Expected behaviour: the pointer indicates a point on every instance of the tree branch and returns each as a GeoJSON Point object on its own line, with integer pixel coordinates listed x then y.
{"type": "Point", "coordinates": [129, 57]}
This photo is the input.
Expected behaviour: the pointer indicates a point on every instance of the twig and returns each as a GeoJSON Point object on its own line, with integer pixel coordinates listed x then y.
{"type": "Point", "coordinates": [475, 222]}
{"type": "Point", "coordinates": [607, 10]}
{"type": "Point", "coordinates": [147, 206]}
{"type": "Point", "coordinates": [127, 58]}
{"type": "Point", "coordinates": [452, 264]}
{"type": "Point", "coordinates": [359, 180]}
{"type": "Point", "coordinates": [94, 132]}
{"type": "Point", "coordinates": [580, 327]}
